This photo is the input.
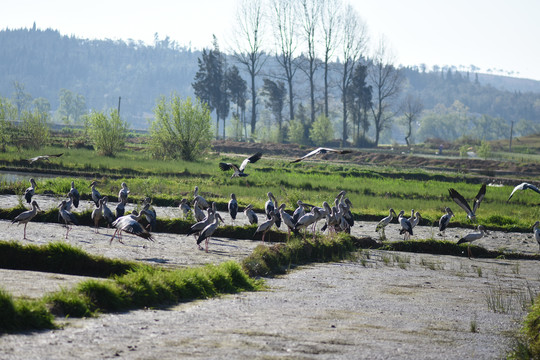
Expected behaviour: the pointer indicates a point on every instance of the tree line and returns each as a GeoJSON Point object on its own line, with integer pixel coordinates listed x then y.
{"type": "Point", "coordinates": [285, 71]}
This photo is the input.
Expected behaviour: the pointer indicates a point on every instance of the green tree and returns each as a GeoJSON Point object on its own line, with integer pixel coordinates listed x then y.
{"type": "Point", "coordinates": [72, 107]}
{"type": "Point", "coordinates": [484, 150]}
{"type": "Point", "coordinates": [275, 95]}
{"type": "Point", "coordinates": [8, 113]}
{"type": "Point", "coordinates": [322, 131]}
{"type": "Point", "coordinates": [108, 133]}
{"type": "Point", "coordinates": [296, 132]}
{"type": "Point", "coordinates": [181, 129]}
{"type": "Point", "coordinates": [34, 129]}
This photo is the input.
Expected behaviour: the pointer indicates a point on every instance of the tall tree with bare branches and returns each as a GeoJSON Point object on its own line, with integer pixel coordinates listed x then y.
{"type": "Point", "coordinates": [283, 22]}
{"type": "Point", "coordinates": [331, 14]}
{"type": "Point", "coordinates": [310, 10]}
{"type": "Point", "coordinates": [386, 80]}
{"type": "Point", "coordinates": [249, 45]}
{"type": "Point", "coordinates": [353, 43]}
{"type": "Point", "coordinates": [412, 107]}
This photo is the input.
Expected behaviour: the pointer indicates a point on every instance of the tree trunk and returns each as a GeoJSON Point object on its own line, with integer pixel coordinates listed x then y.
{"type": "Point", "coordinates": [253, 105]}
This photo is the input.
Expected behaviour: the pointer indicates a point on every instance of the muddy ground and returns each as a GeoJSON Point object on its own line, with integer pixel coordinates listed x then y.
{"type": "Point", "coordinates": [382, 305]}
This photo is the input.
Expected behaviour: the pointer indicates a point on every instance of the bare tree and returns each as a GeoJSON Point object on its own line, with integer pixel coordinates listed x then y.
{"type": "Point", "coordinates": [284, 12]}
{"type": "Point", "coordinates": [310, 10]}
{"type": "Point", "coordinates": [330, 20]}
{"type": "Point", "coordinates": [412, 106]}
{"type": "Point", "coordinates": [386, 80]}
{"type": "Point", "coordinates": [353, 44]}
{"type": "Point", "coordinates": [249, 41]}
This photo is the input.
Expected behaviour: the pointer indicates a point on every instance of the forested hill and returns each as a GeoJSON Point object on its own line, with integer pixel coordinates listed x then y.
{"type": "Point", "coordinates": [44, 62]}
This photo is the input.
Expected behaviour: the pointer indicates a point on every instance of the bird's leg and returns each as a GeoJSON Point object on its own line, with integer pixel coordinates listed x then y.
{"type": "Point", "coordinates": [206, 244]}
{"type": "Point", "coordinates": [469, 250]}
{"type": "Point", "coordinates": [112, 238]}
{"type": "Point", "coordinates": [24, 238]}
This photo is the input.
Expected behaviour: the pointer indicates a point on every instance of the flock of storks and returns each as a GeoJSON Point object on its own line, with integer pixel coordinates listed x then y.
{"type": "Point", "coordinates": [338, 218]}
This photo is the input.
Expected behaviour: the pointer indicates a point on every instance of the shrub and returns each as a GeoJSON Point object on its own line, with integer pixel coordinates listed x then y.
{"type": "Point", "coordinates": [108, 133]}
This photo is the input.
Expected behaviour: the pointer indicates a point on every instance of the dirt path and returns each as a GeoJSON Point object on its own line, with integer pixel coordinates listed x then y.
{"type": "Point", "coordinates": [384, 305]}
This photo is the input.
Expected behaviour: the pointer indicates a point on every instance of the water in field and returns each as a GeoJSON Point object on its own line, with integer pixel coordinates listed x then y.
{"type": "Point", "coordinates": [14, 176]}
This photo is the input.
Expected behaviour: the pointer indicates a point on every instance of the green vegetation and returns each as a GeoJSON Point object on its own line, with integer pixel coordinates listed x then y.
{"type": "Point", "coordinates": [108, 133]}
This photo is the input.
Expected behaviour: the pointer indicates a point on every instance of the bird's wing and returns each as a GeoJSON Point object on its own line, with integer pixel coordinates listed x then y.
{"type": "Point", "coordinates": [479, 197]}
{"type": "Point", "coordinates": [460, 200]}
{"type": "Point", "coordinates": [532, 187]}
{"type": "Point", "coordinates": [227, 166]}
{"type": "Point", "coordinates": [519, 187]}
{"type": "Point", "coordinates": [252, 159]}
{"type": "Point", "coordinates": [314, 152]}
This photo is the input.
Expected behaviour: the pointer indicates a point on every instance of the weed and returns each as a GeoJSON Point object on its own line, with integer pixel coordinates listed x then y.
{"type": "Point", "coordinates": [479, 271]}
{"type": "Point", "coordinates": [473, 326]}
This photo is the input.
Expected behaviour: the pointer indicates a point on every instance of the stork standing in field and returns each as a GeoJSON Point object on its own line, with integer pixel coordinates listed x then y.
{"type": "Point", "coordinates": [321, 150]}
{"type": "Point", "coordinates": [251, 215]}
{"type": "Point", "coordinates": [265, 226]}
{"type": "Point", "coordinates": [184, 207]}
{"type": "Point", "coordinates": [203, 204]}
{"type": "Point", "coordinates": [416, 220]}
{"type": "Point", "coordinates": [199, 226]}
{"type": "Point", "coordinates": [120, 209]}
{"type": "Point", "coordinates": [469, 238]}
{"type": "Point", "coordinates": [287, 220]}
{"type": "Point", "coordinates": [270, 208]}
{"type": "Point", "coordinates": [523, 186]}
{"type": "Point", "coordinates": [25, 217]}
{"type": "Point", "coordinates": [75, 196]}
{"type": "Point", "coordinates": [150, 214]}
{"type": "Point", "coordinates": [460, 200]}
{"type": "Point", "coordinates": [208, 231]}
{"type": "Point", "coordinates": [233, 207]}
{"type": "Point", "coordinates": [67, 217]}
{"type": "Point", "coordinates": [406, 227]}
{"type": "Point", "coordinates": [444, 221]}
{"type": "Point", "coordinates": [308, 219]}
{"type": "Point", "coordinates": [300, 210]}
{"type": "Point", "coordinates": [536, 230]}
{"type": "Point", "coordinates": [107, 213]}
{"type": "Point", "coordinates": [123, 193]}
{"type": "Point", "coordinates": [95, 194]}
{"type": "Point", "coordinates": [198, 212]}
{"type": "Point", "coordinates": [29, 192]}
{"type": "Point", "coordinates": [239, 171]}
{"type": "Point", "coordinates": [384, 222]}
{"type": "Point", "coordinates": [97, 214]}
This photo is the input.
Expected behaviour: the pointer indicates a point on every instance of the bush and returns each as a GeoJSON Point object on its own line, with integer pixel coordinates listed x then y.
{"type": "Point", "coordinates": [181, 129]}
{"type": "Point", "coordinates": [108, 133]}
{"type": "Point", "coordinates": [321, 131]}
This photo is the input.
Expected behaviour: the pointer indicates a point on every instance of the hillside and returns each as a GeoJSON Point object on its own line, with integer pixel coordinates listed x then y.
{"type": "Point", "coordinates": [44, 62]}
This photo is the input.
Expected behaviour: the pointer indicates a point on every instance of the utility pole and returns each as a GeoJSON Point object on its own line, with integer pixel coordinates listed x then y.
{"type": "Point", "coordinates": [119, 99]}
{"type": "Point", "coordinates": [511, 134]}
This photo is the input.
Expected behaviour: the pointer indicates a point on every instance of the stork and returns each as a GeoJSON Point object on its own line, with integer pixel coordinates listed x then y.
{"type": "Point", "coordinates": [460, 200]}
{"type": "Point", "coordinates": [321, 150]}
{"type": "Point", "coordinates": [130, 224]}
{"type": "Point", "coordinates": [239, 171]}
{"type": "Point", "coordinates": [107, 213]}
{"type": "Point", "coordinates": [469, 238]}
{"type": "Point", "coordinates": [444, 221]}
{"type": "Point", "coordinates": [250, 214]}
{"type": "Point", "coordinates": [233, 207]}
{"type": "Point", "coordinates": [536, 230]}
{"type": "Point", "coordinates": [29, 192]}
{"type": "Point", "coordinates": [123, 193]}
{"type": "Point", "coordinates": [287, 219]}
{"type": "Point", "coordinates": [200, 200]}
{"type": "Point", "coordinates": [406, 227]}
{"type": "Point", "coordinates": [384, 222]}
{"type": "Point", "coordinates": [523, 186]}
{"type": "Point", "coordinates": [25, 217]}
{"type": "Point", "coordinates": [265, 226]}
{"type": "Point", "coordinates": [74, 195]}
{"type": "Point", "coordinates": [95, 194]}
{"type": "Point", "coordinates": [208, 231]}
{"type": "Point", "coordinates": [67, 217]}
{"type": "Point", "coordinates": [184, 207]}
{"type": "Point", "coordinates": [97, 214]}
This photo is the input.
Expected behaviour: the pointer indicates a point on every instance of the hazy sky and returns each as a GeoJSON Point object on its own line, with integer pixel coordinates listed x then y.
{"type": "Point", "coordinates": [490, 34]}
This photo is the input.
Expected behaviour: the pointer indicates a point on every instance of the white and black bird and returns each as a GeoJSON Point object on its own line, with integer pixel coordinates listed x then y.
{"type": "Point", "coordinates": [270, 208]}
{"type": "Point", "coordinates": [469, 238]}
{"type": "Point", "coordinates": [536, 230]}
{"type": "Point", "coordinates": [523, 186]}
{"type": "Point", "coordinates": [97, 214]}
{"type": "Point", "coordinates": [384, 222]}
{"type": "Point", "coordinates": [321, 150]}
{"type": "Point", "coordinates": [197, 211]}
{"type": "Point", "coordinates": [123, 193]}
{"type": "Point", "coordinates": [184, 207]}
{"type": "Point", "coordinates": [233, 206]}
{"type": "Point", "coordinates": [202, 203]}
{"type": "Point", "coordinates": [43, 157]}
{"type": "Point", "coordinates": [444, 221]}
{"type": "Point", "coordinates": [208, 231]}
{"type": "Point", "coordinates": [251, 215]}
{"type": "Point", "coordinates": [239, 171]}
{"type": "Point", "coordinates": [29, 192]}
{"type": "Point", "coordinates": [406, 227]}
{"type": "Point", "coordinates": [308, 219]}
{"type": "Point", "coordinates": [67, 217]}
{"type": "Point", "coordinates": [300, 210]}
{"type": "Point", "coordinates": [95, 194]}
{"type": "Point", "coordinates": [416, 219]}
{"type": "Point", "coordinates": [120, 209]}
{"type": "Point", "coordinates": [25, 217]}
{"type": "Point", "coordinates": [265, 226]}
{"type": "Point", "coordinates": [150, 214]}
{"type": "Point", "coordinates": [460, 200]}
{"type": "Point", "coordinates": [199, 226]}
{"type": "Point", "coordinates": [75, 196]}
{"type": "Point", "coordinates": [287, 219]}
{"type": "Point", "coordinates": [131, 225]}
{"type": "Point", "coordinates": [107, 213]}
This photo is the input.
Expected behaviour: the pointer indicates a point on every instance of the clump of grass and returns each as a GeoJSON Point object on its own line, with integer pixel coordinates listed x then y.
{"type": "Point", "coordinates": [498, 301]}
{"type": "Point", "coordinates": [276, 259]}
{"type": "Point", "coordinates": [479, 271]}
{"type": "Point", "coordinates": [432, 265]}
{"type": "Point", "coordinates": [23, 314]}
{"type": "Point", "coordinates": [529, 346]}
{"type": "Point", "coordinates": [473, 326]}
{"type": "Point", "coordinates": [59, 257]}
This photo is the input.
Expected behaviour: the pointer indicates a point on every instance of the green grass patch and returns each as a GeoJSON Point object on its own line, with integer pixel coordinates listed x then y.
{"type": "Point", "coordinates": [23, 315]}
{"type": "Point", "coordinates": [61, 258]}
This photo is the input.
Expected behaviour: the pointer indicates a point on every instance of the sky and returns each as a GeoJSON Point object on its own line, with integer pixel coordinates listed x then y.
{"type": "Point", "coordinates": [498, 36]}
